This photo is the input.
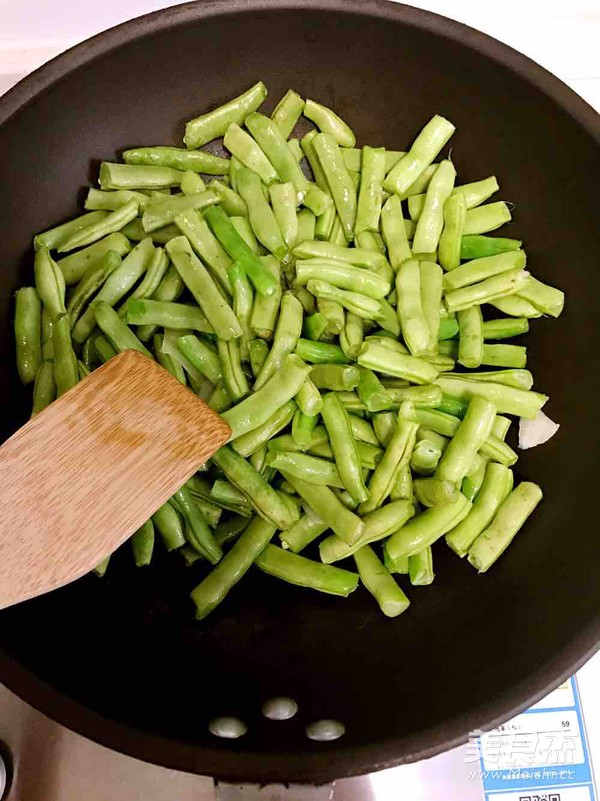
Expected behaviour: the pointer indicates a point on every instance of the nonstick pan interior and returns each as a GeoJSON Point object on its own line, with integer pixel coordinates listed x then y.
{"type": "Point", "coordinates": [122, 659]}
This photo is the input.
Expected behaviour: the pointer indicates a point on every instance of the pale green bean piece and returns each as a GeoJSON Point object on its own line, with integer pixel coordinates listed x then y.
{"type": "Point", "coordinates": [241, 145]}
{"type": "Point", "coordinates": [209, 126]}
{"type": "Point", "coordinates": [283, 201]}
{"type": "Point", "coordinates": [380, 583]}
{"type": "Point", "coordinates": [394, 232]}
{"type": "Point", "coordinates": [425, 148]}
{"type": "Point", "coordinates": [431, 221]}
{"type": "Point", "coordinates": [287, 112]}
{"type": "Point", "coordinates": [370, 194]}
{"type": "Point", "coordinates": [339, 181]}
{"type": "Point", "coordinates": [328, 122]}
{"type": "Point", "coordinates": [470, 337]}
{"type": "Point", "coordinates": [449, 248]}
{"type": "Point", "coordinates": [483, 219]}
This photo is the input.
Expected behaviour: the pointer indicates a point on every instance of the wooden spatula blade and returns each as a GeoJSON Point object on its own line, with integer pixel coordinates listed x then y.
{"type": "Point", "coordinates": [82, 476]}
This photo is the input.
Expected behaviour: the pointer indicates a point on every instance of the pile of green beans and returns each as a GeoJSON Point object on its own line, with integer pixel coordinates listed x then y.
{"type": "Point", "coordinates": [334, 304]}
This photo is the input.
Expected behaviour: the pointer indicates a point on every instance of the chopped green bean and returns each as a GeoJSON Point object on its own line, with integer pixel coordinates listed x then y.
{"type": "Point", "coordinates": [209, 126]}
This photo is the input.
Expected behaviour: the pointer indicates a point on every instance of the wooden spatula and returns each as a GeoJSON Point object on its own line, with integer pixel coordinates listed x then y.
{"type": "Point", "coordinates": [83, 475]}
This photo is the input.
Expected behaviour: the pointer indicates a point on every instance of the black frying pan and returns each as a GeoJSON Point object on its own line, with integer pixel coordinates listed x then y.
{"type": "Point", "coordinates": [122, 660]}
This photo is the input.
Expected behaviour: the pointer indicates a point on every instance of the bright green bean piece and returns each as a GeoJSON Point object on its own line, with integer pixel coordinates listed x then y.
{"type": "Point", "coordinates": [229, 200]}
{"type": "Point", "coordinates": [486, 291]}
{"type": "Point", "coordinates": [197, 161]}
{"type": "Point", "coordinates": [425, 148]}
{"type": "Point", "coordinates": [94, 278]}
{"type": "Point", "coordinates": [402, 489]}
{"type": "Point", "coordinates": [137, 176]}
{"type": "Point", "coordinates": [394, 232]}
{"type": "Point", "coordinates": [308, 303]}
{"type": "Point", "coordinates": [479, 269]}
{"type": "Point", "coordinates": [213, 589]}
{"type": "Point", "coordinates": [44, 389]}
{"type": "Point", "coordinates": [104, 349]}
{"type": "Point", "coordinates": [116, 286]}
{"type": "Point", "coordinates": [339, 181]}
{"type": "Point", "coordinates": [315, 325]}
{"type": "Point", "coordinates": [110, 200]}
{"type": "Point", "coordinates": [546, 299]}
{"type": "Point", "coordinates": [382, 359]}
{"type": "Point", "coordinates": [273, 143]}
{"type": "Point", "coordinates": [53, 237]}
{"type": "Point", "coordinates": [420, 568]}
{"type": "Point", "coordinates": [169, 526]}
{"type": "Point", "coordinates": [448, 328]}
{"type": "Point", "coordinates": [471, 483]}
{"type": "Point", "coordinates": [278, 390]}
{"type": "Point", "coordinates": [486, 218]}
{"type": "Point", "coordinates": [511, 515]}
{"type": "Point", "coordinates": [521, 379]}
{"type": "Point", "coordinates": [425, 457]}
{"type": "Point", "coordinates": [343, 276]}
{"type": "Point", "coordinates": [389, 319]}
{"type": "Point", "coordinates": [201, 356]}
{"type": "Point", "coordinates": [28, 334]}
{"type": "Point", "coordinates": [50, 283]}
{"type": "Point", "coordinates": [372, 392]}
{"type": "Point", "coordinates": [73, 267]}
{"type": "Point", "coordinates": [120, 335]}
{"type": "Point", "coordinates": [317, 200]}
{"type": "Point", "coordinates": [335, 377]}
{"type": "Point", "coordinates": [415, 330]}
{"type": "Point", "coordinates": [472, 432]}
{"type": "Point", "coordinates": [425, 395]}
{"type": "Point", "coordinates": [326, 505]}
{"type": "Point", "coordinates": [476, 247]}
{"type": "Point", "coordinates": [355, 302]}
{"type": "Point", "coordinates": [261, 215]}
{"type": "Point", "coordinates": [168, 315]}
{"type": "Point", "coordinates": [507, 399]}
{"type": "Point", "coordinates": [247, 444]}
{"type": "Point", "coordinates": [162, 211]}
{"type": "Point", "coordinates": [304, 572]}
{"type": "Point", "coordinates": [263, 498]}
{"type": "Point", "coordinates": [344, 447]}
{"type": "Point", "coordinates": [265, 309]}
{"type": "Point", "coordinates": [135, 232]}
{"type": "Point", "coordinates": [435, 491]}
{"type": "Point", "coordinates": [320, 352]}
{"type": "Point", "coordinates": [423, 530]}
{"type": "Point", "coordinates": [306, 226]}
{"type": "Point", "coordinates": [263, 280]}
{"type": "Point", "coordinates": [209, 126]}
{"type": "Point", "coordinates": [370, 193]}
{"type": "Point", "coordinates": [287, 333]}
{"type": "Point", "coordinates": [206, 245]}
{"type": "Point", "coordinates": [326, 251]}
{"type": "Point", "coordinates": [309, 399]}
{"type": "Point", "coordinates": [258, 351]}
{"type": "Point", "coordinates": [505, 328]}
{"type": "Point", "coordinates": [351, 336]}
{"type": "Point", "coordinates": [287, 112]}
{"type": "Point", "coordinates": [302, 533]}
{"type": "Point", "coordinates": [431, 221]}
{"type": "Point", "coordinates": [234, 378]}
{"type": "Point", "coordinates": [229, 497]}
{"type": "Point", "coordinates": [396, 455]}
{"type": "Point", "coordinates": [449, 248]}
{"type": "Point", "coordinates": [380, 583]}
{"type": "Point", "coordinates": [66, 373]}
{"type": "Point", "coordinates": [504, 356]}
{"type": "Point", "coordinates": [283, 201]}
{"type": "Point", "coordinates": [168, 362]}
{"type": "Point", "coordinates": [197, 279]}
{"type": "Point", "coordinates": [501, 426]}
{"type": "Point", "coordinates": [243, 147]}
{"type": "Point", "coordinates": [516, 306]}
{"type": "Point", "coordinates": [303, 426]}
{"type": "Point", "coordinates": [328, 122]}
{"type": "Point", "coordinates": [477, 192]}
{"type": "Point", "coordinates": [142, 544]}
{"type": "Point", "coordinates": [470, 337]}
{"type": "Point", "coordinates": [497, 483]}
{"type": "Point", "coordinates": [378, 525]}
{"type": "Point", "coordinates": [431, 298]}
{"type": "Point", "coordinates": [310, 469]}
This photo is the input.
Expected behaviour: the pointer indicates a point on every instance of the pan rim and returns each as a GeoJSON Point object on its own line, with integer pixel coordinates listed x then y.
{"type": "Point", "coordinates": [335, 761]}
